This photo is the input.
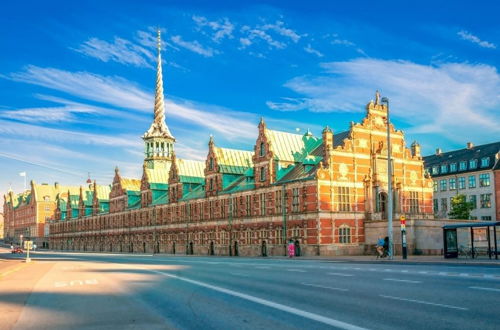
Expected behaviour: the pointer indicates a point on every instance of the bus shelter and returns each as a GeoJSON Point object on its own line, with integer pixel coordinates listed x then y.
{"type": "Point", "coordinates": [450, 238]}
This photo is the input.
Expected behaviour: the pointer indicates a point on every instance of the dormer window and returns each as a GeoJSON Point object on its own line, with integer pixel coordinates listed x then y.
{"type": "Point", "coordinates": [485, 162]}
{"type": "Point", "coordinates": [211, 184]}
{"type": "Point", "coordinates": [473, 164]}
{"type": "Point", "coordinates": [262, 149]}
{"type": "Point", "coordinates": [262, 174]}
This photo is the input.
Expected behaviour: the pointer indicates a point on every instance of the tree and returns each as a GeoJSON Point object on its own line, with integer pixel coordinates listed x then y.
{"type": "Point", "coordinates": [460, 208]}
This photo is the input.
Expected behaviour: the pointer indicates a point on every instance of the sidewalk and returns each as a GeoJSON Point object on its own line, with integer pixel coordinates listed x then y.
{"type": "Point", "coordinates": [412, 259]}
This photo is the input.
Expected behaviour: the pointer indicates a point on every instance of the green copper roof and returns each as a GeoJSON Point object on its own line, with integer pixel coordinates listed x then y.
{"type": "Point", "coordinates": [191, 171]}
{"type": "Point", "coordinates": [291, 147]}
{"type": "Point", "coordinates": [198, 192]}
{"type": "Point", "coordinates": [233, 161]}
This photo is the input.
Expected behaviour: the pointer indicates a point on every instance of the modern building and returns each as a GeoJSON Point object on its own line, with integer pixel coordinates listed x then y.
{"type": "Point", "coordinates": [473, 171]}
{"type": "Point", "coordinates": [321, 192]}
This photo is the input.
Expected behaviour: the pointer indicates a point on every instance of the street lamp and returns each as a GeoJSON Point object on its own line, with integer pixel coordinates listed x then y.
{"type": "Point", "coordinates": [389, 180]}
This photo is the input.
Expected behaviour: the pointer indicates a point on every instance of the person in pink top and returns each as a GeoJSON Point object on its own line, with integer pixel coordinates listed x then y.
{"type": "Point", "coordinates": [291, 249]}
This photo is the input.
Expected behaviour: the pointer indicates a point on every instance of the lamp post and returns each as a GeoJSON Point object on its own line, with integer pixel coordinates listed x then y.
{"type": "Point", "coordinates": [389, 181]}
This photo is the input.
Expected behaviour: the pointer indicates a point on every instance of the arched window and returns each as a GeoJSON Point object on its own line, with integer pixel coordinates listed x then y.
{"type": "Point", "coordinates": [344, 234]}
{"type": "Point", "coordinates": [211, 184]}
{"type": "Point", "coordinates": [262, 149]}
{"type": "Point", "coordinates": [211, 166]}
{"type": "Point", "coordinates": [262, 174]}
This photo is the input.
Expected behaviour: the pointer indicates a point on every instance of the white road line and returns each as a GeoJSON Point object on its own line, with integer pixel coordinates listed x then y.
{"type": "Point", "coordinates": [263, 267]}
{"type": "Point", "coordinates": [324, 287]}
{"type": "Point", "coordinates": [423, 272]}
{"type": "Point", "coordinates": [485, 289]}
{"type": "Point", "coordinates": [296, 270]}
{"type": "Point", "coordinates": [268, 303]}
{"type": "Point", "coordinates": [404, 271]}
{"type": "Point", "coordinates": [239, 274]}
{"type": "Point", "coordinates": [399, 280]}
{"type": "Point", "coordinates": [424, 302]}
{"type": "Point", "coordinates": [340, 274]}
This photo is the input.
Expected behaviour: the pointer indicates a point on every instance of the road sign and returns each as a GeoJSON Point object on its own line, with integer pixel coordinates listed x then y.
{"type": "Point", "coordinates": [28, 245]}
{"type": "Point", "coordinates": [402, 219]}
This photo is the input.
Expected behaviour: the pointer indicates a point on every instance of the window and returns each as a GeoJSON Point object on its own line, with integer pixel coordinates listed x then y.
{"type": "Point", "coordinates": [473, 200]}
{"type": "Point", "coordinates": [472, 164]}
{"type": "Point", "coordinates": [248, 205]}
{"type": "Point", "coordinates": [414, 202]}
{"type": "Point", "coordinates": [472, 181]}
{"type": "Point", "coordinates": [486, 217]}
{"type": "Point", "coordinates": [231, 212]}
{"type": "Point", "coordinates": [453, 184]}
{"type": "Point", "coordinates": [262, 149]}
{"type": "Point", "coordinates": [444, 168]}
{"type": "Point", "coordinates": [485, 162]}
{"type": "Point", "coordinates": [211, 184]}
{"type": "Point", "coordinates": [436, 205]}
{"type": "Point", "coordinates": [485, 200]}
{"type": "Point", "coordinates": [262, 174]}
{"type": "Point", "coordinates": [435, 186]}
{"type": "Point", "coordinates": [344, 235]}
{"type": "Point", "coordinates": [462, 166]}
{"type": "Point", "coordinates": [442, 185]}
{"type": "Point", "coordinates": [211, 166]}
{"type": "Point", "coordinates": [263, 204]}
{"type": "Point", "coordinates": [484, 180]}
{"type": "Point", "coordinates": [343, 199]}
{"type": "Point", "coordinates": [435, 170]}
{"type": "Point", "coordinates": [444, 205]}
{"type": "Point", "coordinates": [453, 167]}
{"type": "Point", "coordinates": [461, 183]}
{"type": "Point", "coordinates": [295, 200]}
{"type": "Point", "coordinates": [278, 195]}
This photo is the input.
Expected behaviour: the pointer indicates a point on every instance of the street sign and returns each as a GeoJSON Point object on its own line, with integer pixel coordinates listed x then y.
{"type": "Point", "coordinates": [402, 219]}
{"type": "Point", "coordinates": [28, 245]}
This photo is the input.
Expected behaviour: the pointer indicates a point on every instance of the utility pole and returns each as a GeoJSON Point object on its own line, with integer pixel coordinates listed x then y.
{"type": "Point", "coordinates": [283, 209]}
{"type": "Point", "coordinates": [389, 181]}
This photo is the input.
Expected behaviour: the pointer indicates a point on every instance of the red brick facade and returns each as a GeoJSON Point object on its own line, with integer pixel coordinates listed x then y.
{"type": "Point", "coordinates": [322, 196]}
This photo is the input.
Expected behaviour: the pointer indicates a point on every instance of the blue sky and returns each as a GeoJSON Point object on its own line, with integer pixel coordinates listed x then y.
{"type": "Point", "coordinates": [77, 80]}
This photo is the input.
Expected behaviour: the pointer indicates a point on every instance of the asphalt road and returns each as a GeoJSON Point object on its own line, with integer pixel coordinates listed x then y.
{"type": "Point", "coordinates": [106, 291]}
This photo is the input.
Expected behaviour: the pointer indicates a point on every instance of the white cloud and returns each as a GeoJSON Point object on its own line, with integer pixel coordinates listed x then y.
{"type": "Point", "coordinates": [122, 93]}
{"type": "Point", "coordinates": [255, 33]}
{"type": "Point", "coordinates": [194, 46]}
{"type": "Point", "coordinates": [106, 89]}
{"type": "Point", "coordinates": [34, 132]}
{"type": "Point", "coordinates": [446, 98]}
{"type": "Point", "coordinates": [120, 50]}
{"type": "Point", "coordinates": [279, 28]}
{"type": "Point", "coordinates": [474, 39]}
{"type": "Point", "coordinates": [221, 29]}
{"type": "Point", "coordinates": [311, 50]}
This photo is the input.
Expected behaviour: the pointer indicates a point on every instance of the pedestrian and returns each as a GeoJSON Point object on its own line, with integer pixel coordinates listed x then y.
{"type": "Point", "coordinates": [380, 247]}
{"type": "Point", "coordinates": [34, 247]}
{"type": "Point", "coordinates": [12, 247]}
{"type": "Point", "coordinates": [291, 249]}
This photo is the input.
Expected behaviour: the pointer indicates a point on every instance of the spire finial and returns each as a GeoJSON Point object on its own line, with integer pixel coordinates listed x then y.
{"type": "Point", "coordinates": [159, 127]}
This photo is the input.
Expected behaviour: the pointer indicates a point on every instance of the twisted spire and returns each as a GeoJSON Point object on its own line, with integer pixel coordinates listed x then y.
{"type": "Point", "coordinates": [159, 127]}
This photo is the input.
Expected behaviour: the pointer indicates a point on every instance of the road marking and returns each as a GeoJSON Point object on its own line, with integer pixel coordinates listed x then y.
{"type": "Point", "coordinates": [263, 267]}
{"type": "Point", "coordinates": [13, 270]}
{"type": "Point", "coordinates": [485, 289]}
{"type": "Point", "coordinates": [239, 274]}
{"type": "Point", "coordinates": [424, 302]}
{"type": "Point", "coordinates": [463, 274]}
{"type": "Point", "coordinates": [340, 274]}
{"type": "Point", "coordinates": [75, 283]}
{"type": "Point", "coordinates": [324, 287]}
{"type": "Point", "coordinates": [268, 303]}
{"type": "Point", "coordinates": [296, 270]}
{"type": "Point", "coordinates": [404, 271]}
{"type": "Point", "coordinates": [423, 272]}
{"type": "Point", "coordinates": [398, 280]}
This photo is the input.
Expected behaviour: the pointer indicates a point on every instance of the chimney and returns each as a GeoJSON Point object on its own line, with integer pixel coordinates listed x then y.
{"type": "Point", "coordinates": [470, 145]}
{"type": "Point", "coordinates": [438, 151]}
{"type": "Point", "coordinates": [415, 149]}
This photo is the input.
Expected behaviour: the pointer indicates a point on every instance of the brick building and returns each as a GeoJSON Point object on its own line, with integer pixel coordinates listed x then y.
{"type": "Point", "coordinates": [473, 171]}
{"type": "Point", "coordinates": [317, 191]}
{"type": "Point", "coordinates": [27, 213]}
